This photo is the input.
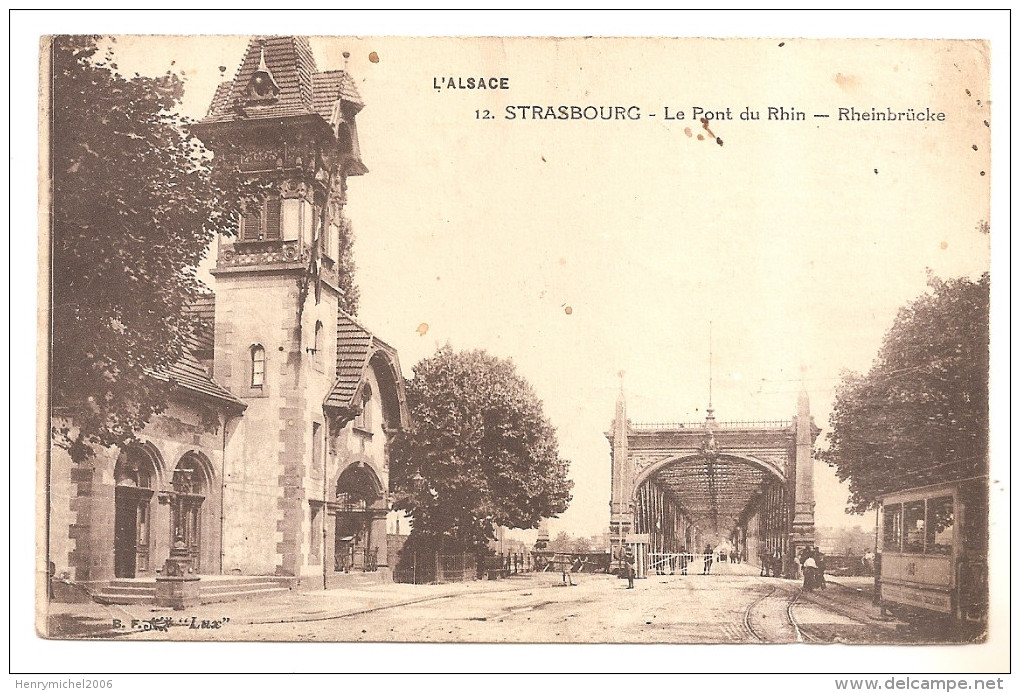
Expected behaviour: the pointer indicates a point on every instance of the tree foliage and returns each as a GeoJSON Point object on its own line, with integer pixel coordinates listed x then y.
{"type": "Point", "coordinates": [920, 415]}
{"type": "Point", "coordinates": [134, 208]}
{"type": "Point", "coordinates": [479, 452]}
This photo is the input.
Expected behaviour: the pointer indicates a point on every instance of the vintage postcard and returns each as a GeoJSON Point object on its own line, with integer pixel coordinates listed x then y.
{"type": "Point", "coordinates": [518, 340]}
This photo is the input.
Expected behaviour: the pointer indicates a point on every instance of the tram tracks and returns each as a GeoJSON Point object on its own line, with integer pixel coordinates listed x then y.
{"type": "Point", "coordinates": [770, 618]}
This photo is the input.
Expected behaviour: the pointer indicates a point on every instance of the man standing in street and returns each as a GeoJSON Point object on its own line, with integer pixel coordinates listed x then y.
{"type": "Point", "coordinates": [707, 570]}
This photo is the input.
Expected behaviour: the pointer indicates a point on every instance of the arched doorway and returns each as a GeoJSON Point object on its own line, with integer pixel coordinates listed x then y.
{"type": "Point", "coordinates": [358, 492]}
{"type": "Point", "coordinates": [135, 475]}
{"type": "Point", "coordinates": [190, 483]}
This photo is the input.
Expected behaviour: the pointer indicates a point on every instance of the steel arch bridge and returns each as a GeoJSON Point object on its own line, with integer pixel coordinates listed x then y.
{"type": "Point", "coordinates": [679, 487]}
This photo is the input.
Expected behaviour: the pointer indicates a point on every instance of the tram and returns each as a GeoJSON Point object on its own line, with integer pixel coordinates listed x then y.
{"type": "Point", "coordinates": [934, 550]}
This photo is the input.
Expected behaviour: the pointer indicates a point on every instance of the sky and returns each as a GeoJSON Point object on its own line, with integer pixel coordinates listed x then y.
{"type": "Point", "coordinates": [784, 238]}
{"type": "Point", "coordinates": [586, 249]}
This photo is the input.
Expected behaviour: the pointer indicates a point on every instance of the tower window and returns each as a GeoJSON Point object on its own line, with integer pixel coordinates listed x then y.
{"type": "Point", "coordinates": [258, 365]}
{"type": "Point", "coordinates": [263, 222]}
{"type": "Point", "coordinates": [272, 225]}
{"type": "Point", "coordinates": [251, 225]}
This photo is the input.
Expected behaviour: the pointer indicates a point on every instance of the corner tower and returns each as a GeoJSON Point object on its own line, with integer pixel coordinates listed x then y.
{"type": "Point", "coordinates": [279, 296]}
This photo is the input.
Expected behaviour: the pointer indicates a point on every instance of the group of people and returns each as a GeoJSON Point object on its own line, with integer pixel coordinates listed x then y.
{"type": "Point", "coordinates": [771, 563]}
{"type": "Point", "coordinates": [812, 563]}
{"type": "Point", "coordinates": [681, 560]}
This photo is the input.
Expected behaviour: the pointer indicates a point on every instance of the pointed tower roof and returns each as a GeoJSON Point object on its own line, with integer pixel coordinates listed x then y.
{"type": "Point", "coordinates": [300, 89]}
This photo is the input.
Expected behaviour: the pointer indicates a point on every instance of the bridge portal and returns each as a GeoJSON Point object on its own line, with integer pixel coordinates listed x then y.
{"type": "Point", "coordinates": [679, 487]}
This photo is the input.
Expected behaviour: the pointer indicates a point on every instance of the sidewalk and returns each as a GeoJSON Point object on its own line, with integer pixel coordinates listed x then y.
{"type": "Point", "coordinates": [92, 620]}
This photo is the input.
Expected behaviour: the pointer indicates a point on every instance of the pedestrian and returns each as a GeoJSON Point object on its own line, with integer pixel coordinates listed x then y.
{"type": "Point", "coordinates": [628, 566]}
{"type": "Point", "coordinates": [820, 566]}
{"type": "Point", "coordinates": [765, 560]}
{"type": "Point", "coordinates": [684, 559]}
{"type": "Point", "coordinates": [810, 568]}
{"type": "Point", "coordinates": [707, 569]}
{"type": "Point", "coordinates": [777, 563]}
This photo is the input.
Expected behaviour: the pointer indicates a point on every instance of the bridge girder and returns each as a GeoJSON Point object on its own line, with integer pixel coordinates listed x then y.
{"type": "Point", "coordinates": [746, 481]}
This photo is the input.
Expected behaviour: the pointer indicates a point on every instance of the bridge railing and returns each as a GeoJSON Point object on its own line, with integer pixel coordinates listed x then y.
{"type": "Point", "coordinates": [700, 425]}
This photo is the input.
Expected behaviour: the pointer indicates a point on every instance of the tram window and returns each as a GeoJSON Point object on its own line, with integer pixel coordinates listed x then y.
{"type": "Point", "coordinates": [892, 527]}
{"type": "Point", "coordinates": [913, 527]}
{"type": "Point", "coordinates": [940, 525]}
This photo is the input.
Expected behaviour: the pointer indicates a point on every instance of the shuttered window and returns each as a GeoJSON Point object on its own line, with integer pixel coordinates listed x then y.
{"type": "Point", "coordinates": [251, 226]}
{"type": "Point", "coordinates": [262, 224]}
{"type": "Point", "coordinates": [272, 228]}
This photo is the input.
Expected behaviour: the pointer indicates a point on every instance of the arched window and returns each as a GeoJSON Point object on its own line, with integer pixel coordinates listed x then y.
{"type": "Point", "coordinates": [258, 365]}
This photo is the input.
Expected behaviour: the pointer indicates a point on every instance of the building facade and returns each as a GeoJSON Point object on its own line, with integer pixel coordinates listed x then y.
{"type": "Point", "coordinates": [273, 458]}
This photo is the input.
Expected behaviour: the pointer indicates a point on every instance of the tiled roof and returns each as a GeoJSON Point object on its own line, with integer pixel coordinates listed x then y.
{"type": "Point", "coordinates": [189, 374]}
{"type": "Point", "coordinates": [202, 340]}
{"type": "Point", "coordinates": [303, 89]}
{"type": "Point", "coordinates": [220, 99]}
{"type": "Point", "coordinates": [327, 87]}
{"type": "Point", "coordinates": [355, 348]}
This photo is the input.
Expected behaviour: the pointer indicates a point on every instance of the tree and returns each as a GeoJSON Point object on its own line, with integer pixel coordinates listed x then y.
{"type": "Point", "coordinates": [582, 545]}
{"type": "Point", "coordinates": [561, 543]}
{"type": "Point", "coordinates": [479, 452]}
{"type": "Point", "coordinates": [920, 415]}
{"type": "Point", "coordinates": [134, 208]}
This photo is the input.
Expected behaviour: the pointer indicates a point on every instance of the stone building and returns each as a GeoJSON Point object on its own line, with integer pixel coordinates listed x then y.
{"type": "Point", "coordinates": [272, 459]}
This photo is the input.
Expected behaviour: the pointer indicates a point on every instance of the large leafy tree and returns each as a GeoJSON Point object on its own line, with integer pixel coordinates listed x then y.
{"type": "Point", "coordinates": [479, 452]}
{"type": "Point", "coordinates": [134, 208]}
{"type": "Point", "coordinates": [920, 415]}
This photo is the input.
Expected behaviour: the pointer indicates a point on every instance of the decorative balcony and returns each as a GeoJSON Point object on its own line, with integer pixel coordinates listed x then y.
{"type": "Point", "coordinates": [273, 253]}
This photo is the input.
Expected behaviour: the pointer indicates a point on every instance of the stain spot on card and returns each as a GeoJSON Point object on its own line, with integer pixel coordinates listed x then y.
{"type": "Point", "coordinates": [968, 91]}
{"type": "Point", "coordinates": [543, 160]}
{"type": "Point", "coordinates": [701, 137]}
{"type": "Point", "coordinates": [847, 82]}
{"type": "Point", "coordinates": [704, 124]}
{"type": "Point", "coordinates": [568, 310]}
{"type": "Point", "coordinates": [782, 43]}
{"type": "Point", "coordinates": [687, 131]}
{"type": "Point", "coordinates": [943, 245]}
{"type": "Point", "coordinates": [563, 260]}
{"type": "Point", "coordinates": [974, 147]}
{"type": "Point", "coordinates": [876, 171]}
{"type": "Point", "coordinates": [373, 57]}
{"type": "Point", "coordinates": [982, 173]}
{"type": "Point", "coordinates": [422, 329]}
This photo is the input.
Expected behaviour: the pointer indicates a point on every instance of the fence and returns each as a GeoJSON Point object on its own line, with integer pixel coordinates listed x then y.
{"type": "Point", "coordinates": [430, 568]}
{"type": "Point", "coordinates": [576, 562]}
{"type": "Point", "coordinates": [434, 569]}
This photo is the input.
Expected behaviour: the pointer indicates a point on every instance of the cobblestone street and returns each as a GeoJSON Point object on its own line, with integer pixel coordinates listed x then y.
{"type": "Point", "coordinates": [733, 605]}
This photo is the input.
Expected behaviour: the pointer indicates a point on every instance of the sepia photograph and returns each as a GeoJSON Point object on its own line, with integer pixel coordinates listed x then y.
{"type": "Point", "coordinates": [549, 340]}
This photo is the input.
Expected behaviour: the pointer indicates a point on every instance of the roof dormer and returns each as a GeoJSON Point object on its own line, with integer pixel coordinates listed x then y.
{"type": "Point", "coordinates": [262, 87]}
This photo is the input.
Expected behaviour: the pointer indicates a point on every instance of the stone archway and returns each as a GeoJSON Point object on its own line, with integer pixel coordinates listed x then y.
{"type": "Point", "coordinates": [191, 482]}
{"type": "Point", "coordinates": [136, 475]}
{"type": "Point", "coordinates": [360, 516]}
